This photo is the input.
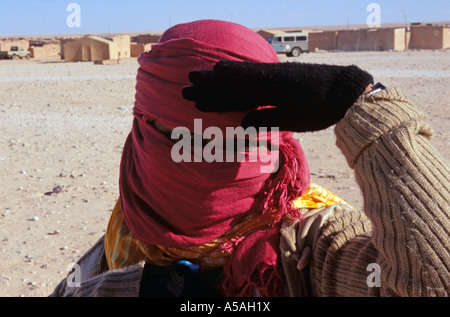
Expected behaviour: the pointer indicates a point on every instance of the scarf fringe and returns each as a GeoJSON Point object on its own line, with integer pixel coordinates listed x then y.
{"type": "Point", "coordinates": [265, 281]}
{"type": "Point", "coordinates": [277, 204]}
{"type": "Point", "coordinates": [282, 189]}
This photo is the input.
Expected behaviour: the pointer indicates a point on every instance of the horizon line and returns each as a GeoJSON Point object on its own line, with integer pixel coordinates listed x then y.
{"type": "Point", "coordinates": [285, 28]}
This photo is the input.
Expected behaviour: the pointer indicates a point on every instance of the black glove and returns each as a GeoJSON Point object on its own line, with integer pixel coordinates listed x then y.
{"type": "Point", "coordinates": [305, 97]}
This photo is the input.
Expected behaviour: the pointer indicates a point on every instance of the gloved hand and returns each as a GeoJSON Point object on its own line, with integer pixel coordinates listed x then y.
{"type": "Point", "coordinates": [304, 97]}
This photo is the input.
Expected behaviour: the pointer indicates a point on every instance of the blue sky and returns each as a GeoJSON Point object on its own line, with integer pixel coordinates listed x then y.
{"type": "Point", "coordinates": [31, 17]}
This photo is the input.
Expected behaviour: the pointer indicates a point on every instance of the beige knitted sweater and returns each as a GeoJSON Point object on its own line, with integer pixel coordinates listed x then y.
{"type": "Point", "coordinates": [399, 246]}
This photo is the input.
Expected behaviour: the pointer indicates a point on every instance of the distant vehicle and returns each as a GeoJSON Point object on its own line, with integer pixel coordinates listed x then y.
{"type": "Point", "coordinates": [291, 43]}
{"type": "Point", "coordinates": [15, 52]}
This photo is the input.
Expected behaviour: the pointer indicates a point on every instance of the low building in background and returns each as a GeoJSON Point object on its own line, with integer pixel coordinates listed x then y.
{"type": "Point", "coordinates": [322, 40]}
{"type": "Point", "coordinates": [124, 45]}
{"type": "Point", "coordinates": [46, 50]}
{"type": "Point", "coordinates": [266, 33]}
{"type": "Point", "coordinates": [138, 48]}
{"type": "Point", "coordinates": [429, 36]}
{"type": "Point", "coordinates": [394, 37]}
{"type": "Point", "coordinates": [379, 39]}
{"type": "Point", "coordinates": [5, 45]}
{"type": "Point", "coordinates": [91, 48]}
{"type": "Point", "coordinates": [110, 47]}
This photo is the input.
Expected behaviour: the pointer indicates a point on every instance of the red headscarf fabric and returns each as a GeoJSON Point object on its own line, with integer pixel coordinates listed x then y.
{"type": "Point", "coordinates": [190, 203]}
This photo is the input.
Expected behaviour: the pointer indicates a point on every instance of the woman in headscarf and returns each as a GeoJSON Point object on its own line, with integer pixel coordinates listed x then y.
{"type": "Point", "coordinates": [213, 214]}
{"type": "Point", "coordinates": [227, 217]}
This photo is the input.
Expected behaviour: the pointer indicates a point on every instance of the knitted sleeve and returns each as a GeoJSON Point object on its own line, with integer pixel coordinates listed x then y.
{"type": "Point", "coordinates": [406, 188]}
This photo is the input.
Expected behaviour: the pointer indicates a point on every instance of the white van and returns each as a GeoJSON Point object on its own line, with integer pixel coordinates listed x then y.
{"type": "Point", "coordinates": [291, 43]}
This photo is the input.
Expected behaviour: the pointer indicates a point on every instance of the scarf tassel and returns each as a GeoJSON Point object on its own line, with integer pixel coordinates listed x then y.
{"type": "Point", "coordinates": [253, 268]}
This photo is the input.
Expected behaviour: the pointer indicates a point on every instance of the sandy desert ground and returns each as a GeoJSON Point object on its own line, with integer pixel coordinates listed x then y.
{"type": "Point", "coordinates": [62, 128]}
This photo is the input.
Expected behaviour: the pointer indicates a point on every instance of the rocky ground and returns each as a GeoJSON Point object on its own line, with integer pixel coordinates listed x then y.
{"type": "Point", "coordinates": [62, 128]}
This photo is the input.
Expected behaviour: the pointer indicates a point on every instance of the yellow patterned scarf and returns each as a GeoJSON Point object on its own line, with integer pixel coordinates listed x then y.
{"type": "Point", "coordinates": [122, 248]}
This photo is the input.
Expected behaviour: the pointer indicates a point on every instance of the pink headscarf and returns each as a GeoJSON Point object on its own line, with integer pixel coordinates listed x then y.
{"type": "Point", "coordinates": [191, 203]}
